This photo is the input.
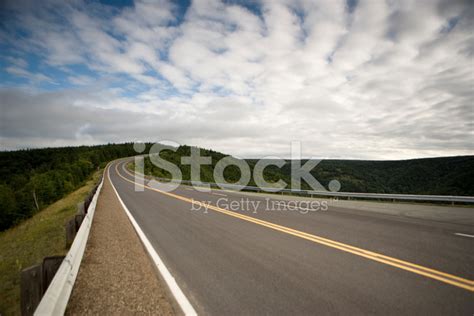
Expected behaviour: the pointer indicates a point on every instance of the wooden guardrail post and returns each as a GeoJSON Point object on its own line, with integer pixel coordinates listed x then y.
{"type": "Point", "coordinates": [72, 226]}
{"type": "Point", "coordinates": [70, 232]}
{"type": "Point", "coordinates": [81, 210]}
{"type": "Point", "coordinates": [78, 220]}
{"type": "Point", "coordinates": [49, 267]}
{"type": "Point", "coordinates": [31, 285]}
{"type": "Point", "coordinates": [35, 280]}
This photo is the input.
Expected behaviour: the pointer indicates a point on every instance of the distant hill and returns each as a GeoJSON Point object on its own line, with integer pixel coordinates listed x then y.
{"type": "Point", "coordinates": [231, 173]}
{"type": "Point", "coordinates": [436, 176]}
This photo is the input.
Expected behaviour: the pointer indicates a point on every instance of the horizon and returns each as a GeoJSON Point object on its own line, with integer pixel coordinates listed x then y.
{"type": "Point", "coordinates": [349, 79]}
{"type": "Point", "coordinates": [239, 157]}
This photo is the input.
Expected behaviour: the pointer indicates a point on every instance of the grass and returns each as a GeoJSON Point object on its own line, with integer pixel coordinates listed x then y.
{"type": "Point", "coordinates": [27, 243]}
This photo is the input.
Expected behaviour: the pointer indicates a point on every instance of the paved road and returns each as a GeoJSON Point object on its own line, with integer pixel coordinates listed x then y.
{"type": "Point", "coordinates": [254, 261]}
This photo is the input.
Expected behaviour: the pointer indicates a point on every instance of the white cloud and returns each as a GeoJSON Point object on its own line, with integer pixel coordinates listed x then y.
{"type": "Point", "coordinates": [34, 78]}
{"type": "Point", "coordinates": [392, 79]}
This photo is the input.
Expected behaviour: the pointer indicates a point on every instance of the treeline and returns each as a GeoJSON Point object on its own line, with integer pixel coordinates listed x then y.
{"type": "Point", "coordinates": [231, 173]}
{"type": "Point", "coordinates": [433, 176]}
{"type": "Point", "coordinates": [34, 178]}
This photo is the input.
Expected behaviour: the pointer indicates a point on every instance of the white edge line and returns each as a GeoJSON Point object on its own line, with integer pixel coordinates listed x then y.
{"type": "Point", "coordinates": [178, 294]}
{"type": "Point", "coordinates": [54, 301]}
{"type": "Point", "coordinates": [464, 235]}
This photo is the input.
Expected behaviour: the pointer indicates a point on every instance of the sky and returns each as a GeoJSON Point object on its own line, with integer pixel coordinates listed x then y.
{"type": "Point", "coordinates": [348, 79]}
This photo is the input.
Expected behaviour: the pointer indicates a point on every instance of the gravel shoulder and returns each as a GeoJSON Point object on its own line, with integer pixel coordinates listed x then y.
{"type": "Point", "coordinates": [116, 274]}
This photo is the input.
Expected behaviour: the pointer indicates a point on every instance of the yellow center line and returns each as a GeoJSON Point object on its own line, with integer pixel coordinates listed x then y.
{"type": "Point", "coordinates": [401, 264]}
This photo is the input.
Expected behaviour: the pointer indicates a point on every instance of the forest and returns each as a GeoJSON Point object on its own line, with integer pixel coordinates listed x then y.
{"type": "Point", "coordinates": [31, 179]}
{"type": "Point", "coordinates": [231, 173]}
{"type": "Point", "coordinates": [432, 176]}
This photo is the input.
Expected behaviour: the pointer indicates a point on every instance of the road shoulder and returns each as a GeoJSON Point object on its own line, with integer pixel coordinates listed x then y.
{"type": "Point", "coordinates": [116, 275]}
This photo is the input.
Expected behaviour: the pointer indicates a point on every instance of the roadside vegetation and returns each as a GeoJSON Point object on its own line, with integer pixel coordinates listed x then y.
{"type": "Point", "coordinates": [39, 236]}
{"type": "Point", "coordinates": [32, 179]}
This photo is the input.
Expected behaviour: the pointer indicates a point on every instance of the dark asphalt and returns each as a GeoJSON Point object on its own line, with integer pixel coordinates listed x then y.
{"type": "Point", "coordinates": [228, 266]}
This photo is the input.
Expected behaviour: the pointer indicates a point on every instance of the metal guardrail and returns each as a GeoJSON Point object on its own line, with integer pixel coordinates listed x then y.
{"type": "Point", "coordinates": [57, 295]}
{"type": "Point", "coordinates": [348, 195]}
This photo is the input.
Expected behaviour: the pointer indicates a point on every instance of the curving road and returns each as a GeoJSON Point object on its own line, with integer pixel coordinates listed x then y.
{"type": "Point", "coordinates": [341, 261]}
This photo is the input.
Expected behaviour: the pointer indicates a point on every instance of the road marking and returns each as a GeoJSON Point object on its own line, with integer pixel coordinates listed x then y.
{"type": "Point", "coordinates": [220, 194]}
{"type": "Point", "coordinates": [129, 172]}
{"type": "Point", "coordinates": [464, 235]}
{"type": "Point", "coordinates": [394, 262]}
{"type": "Point", "coordinates": [178, 294]}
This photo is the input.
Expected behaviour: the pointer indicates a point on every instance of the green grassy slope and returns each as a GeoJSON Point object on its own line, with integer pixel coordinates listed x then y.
{"type": "Point", "coordinates": [27, 243]}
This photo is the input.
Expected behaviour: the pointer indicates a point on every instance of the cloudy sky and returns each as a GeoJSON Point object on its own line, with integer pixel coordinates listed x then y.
{"type": "Point", "coordinates": [349, 79]}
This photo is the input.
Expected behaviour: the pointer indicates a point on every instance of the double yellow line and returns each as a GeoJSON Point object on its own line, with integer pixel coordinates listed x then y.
{"type": "Point", "coordinates": [394, 262]}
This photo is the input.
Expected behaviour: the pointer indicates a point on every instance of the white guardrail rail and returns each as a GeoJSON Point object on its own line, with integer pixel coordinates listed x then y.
{"type": "Point", "coordinates": [57, 295]}
{"type": "Point", "coordinates": [356, 195]}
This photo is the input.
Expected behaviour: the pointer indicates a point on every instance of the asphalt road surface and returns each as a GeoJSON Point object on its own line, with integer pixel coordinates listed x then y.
{"type": "Point", "coordinates": [252, 258]}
